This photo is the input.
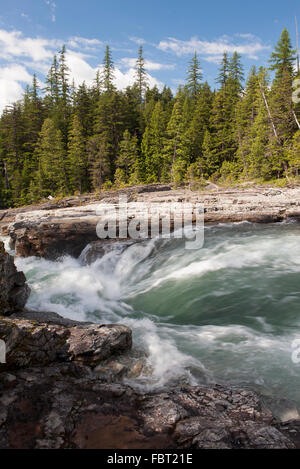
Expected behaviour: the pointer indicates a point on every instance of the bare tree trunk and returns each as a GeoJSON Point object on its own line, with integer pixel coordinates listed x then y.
{"type": "Point", "coordinates": [268, 109]}
{"type": "Point", "coordinates": [296, 119]}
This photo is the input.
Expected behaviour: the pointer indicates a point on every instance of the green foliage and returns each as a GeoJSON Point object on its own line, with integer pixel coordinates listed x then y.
{"type": "Point", "coordinates": [128, 151]}
{"type": "Point", "coordinates": [77, 163]}
{"type": "Point", "coordinates": [194, 77]}
{"type": "Point", "coordinates": [51, 174]}
{"type": "Point", "coordinates": [283, 58]}
{"type": "Point", "coordinates": [141, 75]}
{"type": "Point", "coordinates": [66, 139]}
{"type": "Point", "coordinates": [293, 154]}
{"type": "Point", "coordinates": [120, 178]}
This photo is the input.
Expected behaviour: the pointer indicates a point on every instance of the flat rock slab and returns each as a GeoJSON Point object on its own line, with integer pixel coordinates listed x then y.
{"type": "Point", "coordinates": [32, 343]}
{"type": "Point", "coordinates": [52, 230]}
{"type": "Point", "coordinates": [67, 406]}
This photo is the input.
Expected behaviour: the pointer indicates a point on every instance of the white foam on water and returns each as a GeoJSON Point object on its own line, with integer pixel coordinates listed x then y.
{"type": "Point", "coordinates": [5, 240]}
{"type": "Point", "coordinates": [94, 292]}
{"type": "Point", "coordinates": [257, 352]}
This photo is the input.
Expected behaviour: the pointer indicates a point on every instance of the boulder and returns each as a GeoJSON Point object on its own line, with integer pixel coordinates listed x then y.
{"type": "Point", "coordinates": [52, 239]}
{"type": "Point", "coordinates": [14, 291]}
{"type": "Point", "coordinates": [33, 343]}
{"type": "Point", "coordinates": [93, 344]}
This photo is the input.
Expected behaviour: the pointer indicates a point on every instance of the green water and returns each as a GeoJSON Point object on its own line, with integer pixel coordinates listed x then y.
{"type": "Point", "coordinates": [228, 312]}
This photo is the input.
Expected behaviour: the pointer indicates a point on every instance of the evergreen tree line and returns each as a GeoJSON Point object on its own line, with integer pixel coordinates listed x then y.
{"type": "Point", "coordinates": [68, 140]}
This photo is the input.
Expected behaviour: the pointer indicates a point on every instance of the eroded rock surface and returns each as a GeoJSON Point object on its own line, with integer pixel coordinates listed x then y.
{"type": "Point", "coordinates": [14, 291]}
{"type": "Point", "coordinates": [51, 230]}
{"type": "Point", "coordinates": [62, 386]}
{"type": "Point", "coordinates": [67, 406]}
{"type": "Point", "coordinates": [32, 343]}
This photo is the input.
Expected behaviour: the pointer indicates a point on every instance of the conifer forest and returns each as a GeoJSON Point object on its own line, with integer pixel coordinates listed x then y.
{"type": "Point", "coordinates": [61, 139]}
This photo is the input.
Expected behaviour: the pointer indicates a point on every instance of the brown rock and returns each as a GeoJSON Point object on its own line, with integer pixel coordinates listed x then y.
{"type": "Point", "coordinates": [68, 226]}
{"type": "Point", "coordinates": [32, 343]}
{"type": "Point", "coordinates": [14, 291]}
{"type": "Point", "coordinates": [93, 344]}
{"type": "Point", "coordinates": [65, 406]}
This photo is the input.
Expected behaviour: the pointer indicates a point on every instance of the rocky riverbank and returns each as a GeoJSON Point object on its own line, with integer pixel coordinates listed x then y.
{"type": "Point", "coordinates": [65, 385]}
{"type": "Point", "coordinates": [68, 225]}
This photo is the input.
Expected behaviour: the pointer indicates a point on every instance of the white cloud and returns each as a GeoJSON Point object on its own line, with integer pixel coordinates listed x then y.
{"type": "Point", "coordinates": [131, 62]}
{"type": "Point", "coordinates": [11, 88]}
{"type": "Point", "coordinates": [209, 49]}
{"type": "Point", "coordinates": [80, 70]}
{"type": "Point", "coordinates": [137, 40]}
{"type": "Point", "coordinates": [122, 80]}
{"type": "Point", "coordinates": [21, 56]}
{"type": "Point", "coordinates": [247, 36]}
{"type": "Point", "coordinates": [15, 72]}
{"type": "Point", "coordinates": [84, 43]}
{"type": "Point", "coordinates": [14, 45]}
{"type": "Point", "coordinates": [215, 59]}
{"type": "Point", "coordinates": [52, 6]}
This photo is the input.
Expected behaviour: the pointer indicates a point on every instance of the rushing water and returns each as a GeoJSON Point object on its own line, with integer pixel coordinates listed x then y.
{"type": "Point", "coordinates": [228, 312]}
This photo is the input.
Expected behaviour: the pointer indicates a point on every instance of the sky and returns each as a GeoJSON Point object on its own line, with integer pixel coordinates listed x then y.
{"type": "Point", "coordinates": [32, 31]}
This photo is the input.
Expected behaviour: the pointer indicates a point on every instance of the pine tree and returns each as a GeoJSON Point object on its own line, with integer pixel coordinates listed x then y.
{"type": "Point", "coordinates": [99, 161]}
{"type": "Point", "coordinates": [132, 111]}
{"type": "Point", "coordinates": [258, 164]}
{"type": "Point", "coordinates": [283, 58]}
{"type": "Point", "coordinates": [199, 123]}
{"type": "Point", "coordinates": [77, 158]}
{"type": "Point", "coordinates": [120, 178]}
{"type": "Point", "coordinates": [51, 156]}
{"type": "Point", "coordinates": [63, 80]}
{"type": "Point", "coordinates": [108, 127]}
{"type": "Point", "coordinates": [208, 164]}
{"type": "Point", "coordinates": [83, 107]}
{"type": "Point", "coordinates": [12, 140]}
{"type": "Point", "coordinates": [293, 154]}
{"type": "Point", "coordinates": [33, 116]}
{"type": "Point", "coordinates": [83, 138]}
{"type": "Point", "coordinates": [224, 71]}
{"type": "Point", "coordinates": [153, 144]}
{"type": "Point", "coordinates": [236, 75]}
{"type": "Point", "coordinates": [141, 75]}
{"type": "Point", "coordinates": [108, 71]}
{"type": "Point", "coordinates": [194, 77]}
{"type": "Point", "coordinates": [174, 139]}
{"type": "Point", "coordinates": [127, 155]}
{"type": "Point", "coordinates": [52, 85]}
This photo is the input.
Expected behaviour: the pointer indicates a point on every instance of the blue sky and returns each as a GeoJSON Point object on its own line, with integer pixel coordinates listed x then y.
{"type": "Point", "coordinates": [31, 31]}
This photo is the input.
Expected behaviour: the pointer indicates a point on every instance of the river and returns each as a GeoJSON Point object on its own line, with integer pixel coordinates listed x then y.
{"type": "Point", "coordinates": [226, 313]}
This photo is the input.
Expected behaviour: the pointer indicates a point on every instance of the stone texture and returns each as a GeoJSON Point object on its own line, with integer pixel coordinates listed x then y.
{"type": "Point", "coordinates": [93, 344]}
{"type": "Point", "coordinates": [32, 343]}
{"type": "Point", "coordinates": [62, 387]}
{"type": "Point", "coordinates": [67, 406]}
{"type": "Point", "coordinates": [14, 291]}
{"type": "Point", "coordinates": [68, 226]}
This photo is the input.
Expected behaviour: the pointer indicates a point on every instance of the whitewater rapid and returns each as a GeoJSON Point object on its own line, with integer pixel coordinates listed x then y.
{"type": "Point", "coordinates": [228, 312]}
